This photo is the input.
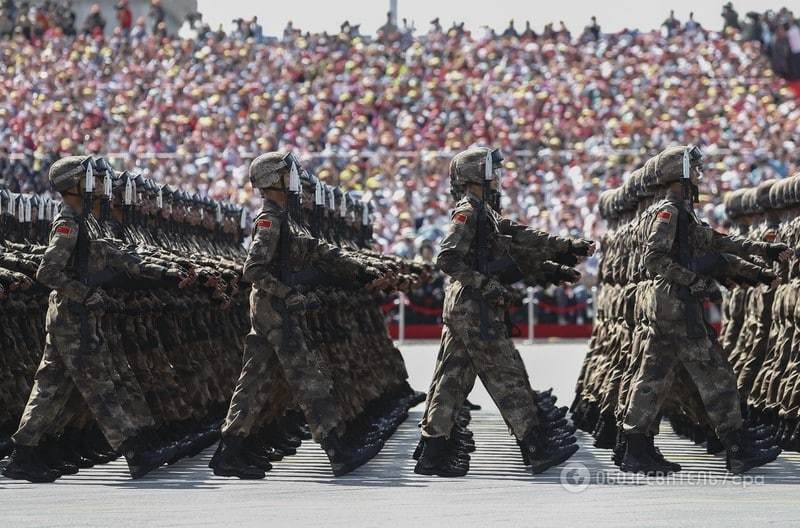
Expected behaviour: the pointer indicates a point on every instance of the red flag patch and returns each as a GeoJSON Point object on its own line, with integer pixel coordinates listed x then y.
{"type": "Point", "coordinates": [770, 236]}
{"type": "Point", "coordinates": [266, 224]}
{"type": "Point", "coordinates": [460, 218]}
{"type": "Point", "coordinates": [665, 216]}
{"type": "Point", "coordinates": [63, 230]}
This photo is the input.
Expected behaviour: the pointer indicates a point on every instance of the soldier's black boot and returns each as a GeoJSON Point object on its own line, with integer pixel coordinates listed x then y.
{"type": "Point", "coordinates": [418, 449]}
{"type": "Point", "coordinates": [655, 454]}
{"type": "Point", "coordinates": [26, 464]}
{"type": "Point", "coordinates": [619, 449]}
{"type": "Point", "coordinates": [714, 444]}
{"type": "Point", "coordinates": [256, 455]}
{"type": "Point", "coordinates": [142, 460]}
{"type": "Point", "coordinates": [743, 457]}
{"type": "Point", "coordinates": [344, 458]}
{"type": "Point", "coordinates": [436, 459]}
{"type": "Point", "coordinates": [6, 447]}
{"type": "Point", "coordinates": [51, 456]}
{"type": "Point", "coordinates": [606, 432]}
{"type": "Point", "coordinates": [70, 442]}
{"type": "Point", "coordinates": [638, 459]}
{"type": "Point", "coordinates": [471, 406]}
{"type": "Point", "coordinates": [541, 454]}
{"type": "Point", "coordinates": [228, 460]}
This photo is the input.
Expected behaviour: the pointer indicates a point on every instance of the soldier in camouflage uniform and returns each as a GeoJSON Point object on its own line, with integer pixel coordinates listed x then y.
{"type": "Point", "coordinates": [76, 358]}
{"type": "Point", "coordinates": [468, 348]}
{"type": "Point", "coordinates": [678, 335]}
{"type": "Point", "coordinates": [278, 261]}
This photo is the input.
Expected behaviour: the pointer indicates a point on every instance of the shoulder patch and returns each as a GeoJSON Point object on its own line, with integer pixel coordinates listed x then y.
{"type": "Point", "coordinates": [664, 216]}
{"type": "Point", "coordinates": [264, 224]}
{"type": "Point", "coordinates": [770, 236]}
{"type": "Point", "coordinates": [63, 230]}
{"type": "Point", "coordinates": [460, 218]}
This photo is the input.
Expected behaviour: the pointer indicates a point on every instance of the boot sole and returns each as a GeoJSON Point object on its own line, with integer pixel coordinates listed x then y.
{"type": "Point", "coordinates": [644, 471]}
{"type": "Point", "coordinates": [435, 473]}
{"type": "Point", "coordinates": [747, 467]}
{"type": "Point", "coordinates": [223, 473]}
{"type": "Point", "coordinates": [21, 475]}
{"type": "Point", "coordinates": [543, 465]}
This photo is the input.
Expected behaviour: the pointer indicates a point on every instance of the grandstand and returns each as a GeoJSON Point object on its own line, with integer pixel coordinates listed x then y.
{"type": "Point", "coordinates": [383, 113]}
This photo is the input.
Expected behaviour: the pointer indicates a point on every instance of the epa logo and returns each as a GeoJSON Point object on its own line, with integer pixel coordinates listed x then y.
{"type": "Point", "coordinates": [575, 477]}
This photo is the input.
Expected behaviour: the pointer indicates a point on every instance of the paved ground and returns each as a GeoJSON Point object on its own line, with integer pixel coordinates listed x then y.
{"type": "Point", "coordinates": [497, 491]}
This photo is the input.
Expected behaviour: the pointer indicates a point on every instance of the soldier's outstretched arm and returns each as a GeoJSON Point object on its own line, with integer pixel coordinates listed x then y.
{"type": "Point", "coordinates": [657, 257]}
{"type": "Point", "coordinates": [136, 266]}
{"type": "Point", "coordinates": [744, 247]}
{"type": "Point", "coordinates": [52, 271]}
{"type": "Point", "coordinates": [452, 256]}
{"type": "Point", "coordinates": [549, 246]}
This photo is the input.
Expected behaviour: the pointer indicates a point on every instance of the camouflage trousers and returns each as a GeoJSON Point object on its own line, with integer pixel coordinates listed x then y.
{"type": "Point", "coordinates": [670, 355]}
{"type": "Point", "coordinates": [65, 371]}
{"type": "Point", "coordinates": [463, 356]}
{"type": "Point", "coordinates": [267, 359]}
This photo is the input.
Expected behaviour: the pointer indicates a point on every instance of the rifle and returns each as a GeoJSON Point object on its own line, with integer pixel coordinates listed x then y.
{"type": "Point", "coordinates": [319, 210]}
{"type": "Point", "coordinates": [482, 244]}
{"type": "Point", "coordinates": [290, 212]}
{"type": "Point", "coordinates": [690, 304]}
{"type": "Point", "coordinates": [82, 259]}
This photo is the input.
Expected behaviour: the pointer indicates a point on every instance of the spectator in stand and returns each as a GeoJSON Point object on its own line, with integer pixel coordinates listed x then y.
{"type": "Point", "coordinates": [124, 17]}
{"type": "Point", "coordinates": [731, 18]}
{"type": "Point", "coordinates": [6, 22]}
{"type": "Point", "coordinates": [529, 33]}
{"type": "Point", "coordinates": [157, 15]}
{"type": "Point", "coordinates": [671, 25]}
{"type": "Point", "coordinates": [255, 31]}
{"type": "Point", "coordinates": [793, 37]}
{"type": "Point", "coordinates": [592, 31]}
{"type": "Point", "coordinates": [510, 30]}
{"type": "Point", "coordinates": [692, 26]}
{"type": "Point", "coordinates": [572, 117]}
{"type": "Point", "coordinates": [95, 24]}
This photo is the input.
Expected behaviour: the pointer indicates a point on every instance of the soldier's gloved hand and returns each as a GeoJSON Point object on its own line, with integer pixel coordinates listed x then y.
{"type": "Point", "coordinates": [295, 302]}
{"type": "Point", "coordinates": [779, 252]}
{"type": "Point", "coordinates": [493, 292]}
{"type": "Point", "coordinates": [312, 301]}
{"type": "Point", "coordinates": [582, 247]}
{"type": "Point", "coordinates": [713, 292]}
{"type": "Point", "coordinates": [567, 274]}
{"type": "Point", "coordinates": [700, 287]}
{"type": "Point", "coordinates": [769, 278]}
{"type": "Point", "coordinates": [371, 274]}
{"type": "Point", "coordinates": [96, 299]}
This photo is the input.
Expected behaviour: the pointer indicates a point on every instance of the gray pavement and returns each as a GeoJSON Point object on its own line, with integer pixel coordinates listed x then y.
{"type": "Point", "coordinates": [300, 490]}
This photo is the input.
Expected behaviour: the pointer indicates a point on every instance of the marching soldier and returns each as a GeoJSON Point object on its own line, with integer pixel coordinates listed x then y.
{"type": "Point", "coordinates": [474, 340]}
{"type": "Point", "coordinates": [282, 258]}
{"type": "Point", "coordinates": [678, 336]}
{"type": "Point", "coordinates": [76, 358]}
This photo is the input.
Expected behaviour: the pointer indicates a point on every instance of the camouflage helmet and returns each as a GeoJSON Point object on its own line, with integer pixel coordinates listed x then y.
{"type": "Point", "coordinates": [762, 194]}
{"type": "Point", "coordinates": [777, 194]}
{"type": "Point", "coordinates": [733, 203]}
{"type": "Point", "coordinates": [793, 191]}
{"type": "Point", "coordinates": [470, 166]}
{"type": "Point", "coordinates": [749, 203]}
{"type": "Point", "coordinates": [669, 163]}
{"type": "Point", "coordinates": [268, 170]}
{"type": "Point", "coordinates": [68, 172]}
{"type": "Point", "coordinates": [649, 177]}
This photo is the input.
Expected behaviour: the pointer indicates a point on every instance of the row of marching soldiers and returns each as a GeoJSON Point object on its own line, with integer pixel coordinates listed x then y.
{"type": "Point", "coordinates": [144, 302]}
{"type": "Point", "coordinates": [652, 354]}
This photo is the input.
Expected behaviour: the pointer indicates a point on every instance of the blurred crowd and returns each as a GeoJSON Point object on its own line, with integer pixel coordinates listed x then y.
{"type": "Point", "coordinates": [384, 113]}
